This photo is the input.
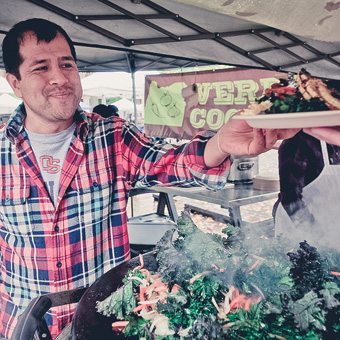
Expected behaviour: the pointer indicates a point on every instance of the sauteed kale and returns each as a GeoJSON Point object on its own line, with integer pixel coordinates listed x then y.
{"type": "Point", "coordinates": [232, 287]}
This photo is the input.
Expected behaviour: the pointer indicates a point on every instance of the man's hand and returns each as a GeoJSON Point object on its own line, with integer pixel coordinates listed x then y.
{"type": "Point", "coordinates": [237, 138]}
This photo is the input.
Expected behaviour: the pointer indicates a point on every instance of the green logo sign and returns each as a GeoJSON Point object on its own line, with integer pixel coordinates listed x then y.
{"type": "Point", "coordinates": [165, 105]}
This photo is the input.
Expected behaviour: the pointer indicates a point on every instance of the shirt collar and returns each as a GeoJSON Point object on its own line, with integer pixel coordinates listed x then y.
{"type": "Point", "coordinates": [15, 123]}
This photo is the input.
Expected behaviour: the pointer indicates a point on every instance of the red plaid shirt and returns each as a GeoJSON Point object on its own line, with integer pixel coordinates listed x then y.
{"type": "Point", "coordinates": [46, 248]}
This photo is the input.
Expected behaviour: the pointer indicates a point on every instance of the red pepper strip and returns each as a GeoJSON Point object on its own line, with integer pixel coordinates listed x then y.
{"type": "Point", "coordinates": [236, 292]}
{"type": "Point", "coordinates": [119, 325]}
{"type": "Point", "coordinates": [141, 260]}
{"type": "Point", "coordinates": [335, 273]}
{"type": "Point", "coordinates": [157, 283]}
{"type": "Point", "coordinates": [238, 301]}
{"type": "Point", "coordinates": [140, 307]}
{"type": "Point", "coordinates": [254, 265]}
{"type": "Point", "coordinates": [162, 290]}
{"type": "Point", "coordinates": [247, 305]}
{"type": "Point", "coordinates": [142, 291]}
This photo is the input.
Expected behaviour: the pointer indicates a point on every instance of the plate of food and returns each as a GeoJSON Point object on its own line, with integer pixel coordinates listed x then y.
{"type": "Point", "coordinates": [293, 120]}
{"type": "Point", "coordinates": [303, 102]}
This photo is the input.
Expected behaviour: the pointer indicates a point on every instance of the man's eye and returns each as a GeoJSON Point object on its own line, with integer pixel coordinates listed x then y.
{"type": "Point", "coordinates": [41, 68]}
{"type": "Point", "coordinates": [69, 65]}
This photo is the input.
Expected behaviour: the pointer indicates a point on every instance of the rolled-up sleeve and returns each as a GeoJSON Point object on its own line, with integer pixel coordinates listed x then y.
{"type": "Point", "coordinates": [147, 163]}
{"type": "Point", "coordinates": [212, 178]}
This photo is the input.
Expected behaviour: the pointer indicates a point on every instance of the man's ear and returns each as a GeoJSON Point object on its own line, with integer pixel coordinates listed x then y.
{"type": "Point", "coordinates": [14, 82]}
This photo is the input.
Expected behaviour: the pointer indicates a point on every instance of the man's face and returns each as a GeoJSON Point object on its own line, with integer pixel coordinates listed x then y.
{"type": "Point", "coordinates": [50, 84]}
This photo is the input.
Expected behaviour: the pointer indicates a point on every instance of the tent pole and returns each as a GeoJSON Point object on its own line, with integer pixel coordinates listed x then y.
{"type": "Point", "coordinates": [132, 67]}
{"type": "Point", "coordinates": [134, 97]}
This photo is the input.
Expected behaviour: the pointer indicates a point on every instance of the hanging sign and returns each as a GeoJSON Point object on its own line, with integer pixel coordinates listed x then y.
{"type": "Point", "coordinates": [181, 104]}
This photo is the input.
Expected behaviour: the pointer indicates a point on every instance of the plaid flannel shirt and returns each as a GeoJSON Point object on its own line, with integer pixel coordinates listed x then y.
{"type": "Point", "coordinates": [46, 248]}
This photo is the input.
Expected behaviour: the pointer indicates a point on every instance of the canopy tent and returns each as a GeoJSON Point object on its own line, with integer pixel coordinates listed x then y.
{"type": "Point", "coordinates": [131, 35]}
{"type": "Point", "coordinates": [313, 19]}
{"type": "Point", "coordinates": [126, 109]}
{"type": "Point", "coordinates": [112, 84]}
{"type": "Point", "coordinates": [8, 103]}
{"type": "Point", "coordinates": [85, 107]}
{"type": "Point", "coordinates": [124, 105]}
{"type": "Point", "coordinates": [4, 86]}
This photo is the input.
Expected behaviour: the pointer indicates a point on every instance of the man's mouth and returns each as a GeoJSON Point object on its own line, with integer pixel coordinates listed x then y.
{"type": "Point", "coordinates": [60, 95]}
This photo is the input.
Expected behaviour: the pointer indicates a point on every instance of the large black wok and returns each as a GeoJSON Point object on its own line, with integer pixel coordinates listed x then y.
{"type": "Point", "coordinates": [87, 322]}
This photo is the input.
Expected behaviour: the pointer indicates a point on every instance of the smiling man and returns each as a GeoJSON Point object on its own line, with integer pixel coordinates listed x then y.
{"type": "Point", "coordinates": [65, 175]}
{"type": "Point", "coordinates": [48, 83]}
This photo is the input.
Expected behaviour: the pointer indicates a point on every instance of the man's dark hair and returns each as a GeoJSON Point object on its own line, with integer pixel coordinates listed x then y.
{"type": "Point", "coordinates": [43, 29]}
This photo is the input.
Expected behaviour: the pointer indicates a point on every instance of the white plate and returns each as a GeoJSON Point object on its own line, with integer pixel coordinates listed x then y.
{"type": "Point", "coordinates": [293, 120]}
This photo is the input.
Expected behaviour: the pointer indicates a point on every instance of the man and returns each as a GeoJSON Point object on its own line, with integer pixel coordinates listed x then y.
{"type": "Point", "coordinates": [66, 175]}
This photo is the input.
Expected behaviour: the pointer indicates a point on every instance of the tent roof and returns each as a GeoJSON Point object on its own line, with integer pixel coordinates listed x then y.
{"type": "Point", "coordinates": [131, 35]}
{"type": "Point", "coordinates": [124, 105]}
{"type": "Point", "coordinates": [312, 19]}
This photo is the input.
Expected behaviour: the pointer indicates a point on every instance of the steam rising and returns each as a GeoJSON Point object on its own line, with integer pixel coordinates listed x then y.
{"type": "Point", "coordinates": [229, 260]}
{"type": "Point", "coordinates": [323, 232]}
{"type": "Point", "coordinates": [191, 251]}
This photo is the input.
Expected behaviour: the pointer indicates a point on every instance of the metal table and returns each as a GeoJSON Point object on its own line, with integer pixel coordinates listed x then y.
{"type": "Point", "coordinates": [232, 197]}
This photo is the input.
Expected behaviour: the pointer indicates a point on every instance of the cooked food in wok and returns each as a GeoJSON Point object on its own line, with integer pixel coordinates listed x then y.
{"type": "Point", "coordinates": [229, 286]}
{"type": "Point", "coordinates": [303, 94]}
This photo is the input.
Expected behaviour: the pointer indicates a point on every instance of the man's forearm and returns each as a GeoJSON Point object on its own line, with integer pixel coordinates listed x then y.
{"type": "Point", "coordinates": [213, 155]}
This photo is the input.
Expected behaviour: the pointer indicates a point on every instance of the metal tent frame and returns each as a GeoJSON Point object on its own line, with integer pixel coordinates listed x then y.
{"type": "Point", "coordinates": [132, 35]}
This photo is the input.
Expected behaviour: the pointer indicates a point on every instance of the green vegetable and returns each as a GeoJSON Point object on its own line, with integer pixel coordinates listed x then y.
{"type": "Point", "coordinates": [307, 312]}
{"type": "Point", "coordinates": [120, 303]}
{"type": "Point", "coordinates": [300, 298]}
{"type": "Point", "coordinates": [294, 103]}
{"type": "Point", "coordinates": [136, 326]}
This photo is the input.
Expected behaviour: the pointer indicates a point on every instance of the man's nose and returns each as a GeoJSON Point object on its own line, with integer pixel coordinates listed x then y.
{"type": "Point", "coordinates": [57, 76]}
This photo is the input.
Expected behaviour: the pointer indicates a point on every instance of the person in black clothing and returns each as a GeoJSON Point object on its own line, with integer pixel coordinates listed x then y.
{"type": "Point", "coordinates": [308, 203]}
{"type": "Point", "coordinates": [106, 111]}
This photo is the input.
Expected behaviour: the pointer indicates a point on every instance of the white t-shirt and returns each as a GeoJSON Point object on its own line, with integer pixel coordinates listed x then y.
{"type": "Point", "coordinates": [50, 152]}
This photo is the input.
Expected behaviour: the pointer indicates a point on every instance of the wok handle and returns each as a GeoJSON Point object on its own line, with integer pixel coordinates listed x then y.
{"type": "Point", "coordinates": [32, 319]}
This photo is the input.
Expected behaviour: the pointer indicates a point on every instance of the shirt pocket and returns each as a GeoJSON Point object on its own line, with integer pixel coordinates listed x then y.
{"type": "Point", "coordinates": [93, 197]}
{"type": "Point", "coordinates": [15, 213]}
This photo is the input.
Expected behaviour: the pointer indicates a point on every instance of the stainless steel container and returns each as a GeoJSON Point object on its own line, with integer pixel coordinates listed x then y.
{"type": "Point", "coordinates": [243, 169]}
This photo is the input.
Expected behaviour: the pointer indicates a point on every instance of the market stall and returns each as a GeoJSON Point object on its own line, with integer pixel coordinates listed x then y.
{"type": "Point", "coordinates": [215, 38]}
